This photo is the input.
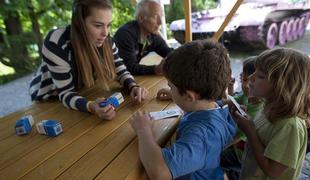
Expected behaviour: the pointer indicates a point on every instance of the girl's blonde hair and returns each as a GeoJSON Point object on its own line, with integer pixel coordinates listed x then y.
{"type": "Point", "coordinates": [288, 71]}
{"type": "Point", "coordinates": [89, 58]}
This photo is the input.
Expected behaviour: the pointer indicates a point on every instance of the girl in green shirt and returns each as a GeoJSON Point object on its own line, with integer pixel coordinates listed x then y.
{"type": "Point", "coordinates": [277, 136]}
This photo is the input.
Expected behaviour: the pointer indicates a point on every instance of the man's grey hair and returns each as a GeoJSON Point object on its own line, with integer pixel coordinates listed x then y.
{"type": "Point", "coordinates": [142, 7]}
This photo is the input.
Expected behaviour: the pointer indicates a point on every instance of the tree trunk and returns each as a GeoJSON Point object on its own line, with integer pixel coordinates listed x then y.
{"type": "Point", "coordinates": [19, 58]}
{"type": "Point", "coordinates": [35, 26]}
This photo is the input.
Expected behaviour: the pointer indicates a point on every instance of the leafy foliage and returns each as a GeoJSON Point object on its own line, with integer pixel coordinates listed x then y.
{"type": "Point", "coordinates": [175, 10]}
{"type": "Point", "coordinates": [123, 11]}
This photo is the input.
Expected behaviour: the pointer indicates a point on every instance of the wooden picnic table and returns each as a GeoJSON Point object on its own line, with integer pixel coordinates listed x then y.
{"type": "Point", "coordinates": [88, 148]}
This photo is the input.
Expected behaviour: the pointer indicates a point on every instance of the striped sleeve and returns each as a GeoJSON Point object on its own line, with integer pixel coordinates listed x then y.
{"type": "Point", "coordinates": [123, 76]}
{"type": "Point", "coordinates": [57, 60]}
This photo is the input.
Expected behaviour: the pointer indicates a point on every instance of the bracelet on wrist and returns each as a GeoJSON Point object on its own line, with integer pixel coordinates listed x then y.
{"type": "Point", "coordinates": [88, 106]}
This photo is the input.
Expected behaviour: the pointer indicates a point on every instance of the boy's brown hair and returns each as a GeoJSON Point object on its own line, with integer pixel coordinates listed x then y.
{"type": "Point", "coordinates": [201, 66]}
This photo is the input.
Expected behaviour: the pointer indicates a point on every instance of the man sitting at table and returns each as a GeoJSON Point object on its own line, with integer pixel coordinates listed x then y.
{"type": "Point", "coordinates": [198, 74]}
{"type": "Point", "coordinates": [137, 38]}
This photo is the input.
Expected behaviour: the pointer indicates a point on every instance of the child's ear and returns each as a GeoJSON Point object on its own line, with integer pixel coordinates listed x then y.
{"type": "Point", "coordinates": [192, 96]}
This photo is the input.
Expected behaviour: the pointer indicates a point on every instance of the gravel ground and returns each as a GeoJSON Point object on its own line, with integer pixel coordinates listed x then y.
{"type": "Point", "coordinates": [14, 95]}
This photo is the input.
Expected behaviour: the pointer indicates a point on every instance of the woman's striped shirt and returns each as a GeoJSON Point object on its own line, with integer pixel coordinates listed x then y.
{"type": "Point", "coordinates": [57, 74]}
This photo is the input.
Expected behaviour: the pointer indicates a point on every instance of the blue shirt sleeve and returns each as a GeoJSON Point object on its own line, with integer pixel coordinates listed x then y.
{"type": "Point", "coordinates": [187, 155]}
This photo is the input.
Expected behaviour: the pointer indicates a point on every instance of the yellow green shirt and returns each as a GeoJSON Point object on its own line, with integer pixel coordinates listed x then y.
{"type": "Point", "coordinates": [285, 142]}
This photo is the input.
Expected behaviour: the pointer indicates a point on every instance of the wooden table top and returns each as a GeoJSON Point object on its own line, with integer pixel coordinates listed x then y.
{"type": "Point", "coordinates": [88, 148]}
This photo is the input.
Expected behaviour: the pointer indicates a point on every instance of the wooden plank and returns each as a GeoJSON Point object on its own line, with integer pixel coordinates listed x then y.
{"type": "Point", "coordinates": [231, 14]}
{"type": "Point", "coordinates": [53, 145]}
{"type": "Point", "coordinates": [12, 140]}
{"type": "Point", "coordinates": [141, 80]}
{"type": "Point", "coordinates": [23, 144]}
{"type": "Point", "coordinates": [4, 144]}
{"type": "Point", "coordinates": [8, 122]}
{"type": "Point", "coordinates": [14, 148]}
{"type": "Point", "coordinates": [188, 20]}
{"type": "Point", "coordinates": [64, 158]}
{"type": "Point", "coordinates": [128, 161]}
{"type": "Point", "coordinates": [99, 157]}
{"type": "Point", "coordinates": [138, 173]}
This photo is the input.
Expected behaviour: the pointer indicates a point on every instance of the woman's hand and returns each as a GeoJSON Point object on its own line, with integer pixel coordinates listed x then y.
{"type": "Point", "coordinates": [164, 94]}
{"type": "Point", "coordinates": [139, 94]}
{"type": "Point", "coordinates": [108, 112]}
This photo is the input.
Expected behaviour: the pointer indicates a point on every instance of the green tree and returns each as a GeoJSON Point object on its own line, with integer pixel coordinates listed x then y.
{"type": "Point", "coordinates": [123, 11]}
{"type": "Point", "coordinates": [175, 10]}
{"type": "Point", "coordinates": [13, 48]}
{"type": "Point", "coordinates": [22, 27]}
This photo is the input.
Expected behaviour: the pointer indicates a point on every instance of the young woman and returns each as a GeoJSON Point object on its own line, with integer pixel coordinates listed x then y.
{"type": "Point", "coordinates": [277, 137]}
{"type": "Point", "coordinates": [79, 56]}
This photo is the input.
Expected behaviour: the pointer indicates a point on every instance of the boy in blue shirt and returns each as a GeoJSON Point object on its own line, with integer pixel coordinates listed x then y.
{"type": "Point", "coordinates": [198, 74]}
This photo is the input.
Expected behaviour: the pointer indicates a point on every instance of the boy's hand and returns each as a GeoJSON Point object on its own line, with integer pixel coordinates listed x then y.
{"type": "Point", "coordinates": [244, 124]}
{"type": "Point", "coordinates": [139, 94]}
{"type": "Point", "coordinates": [140, 121]}
{"type": "Point", "coordinates": [164, 94]}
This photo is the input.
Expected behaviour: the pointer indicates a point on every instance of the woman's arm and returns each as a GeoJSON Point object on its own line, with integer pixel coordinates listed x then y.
{"type": "Point", "coordinates": [123, 76]}
{"type": "Point", "coordinates": [126, 79]}
{"type": "Point", "coordinates": [57, 60]}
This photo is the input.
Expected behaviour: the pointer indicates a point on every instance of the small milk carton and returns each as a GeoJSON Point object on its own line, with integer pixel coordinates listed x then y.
{"type": "Point", "coordinates": [115, 100]}
{"type": "Point", "coordinates": [50, 128]}
{"type": "Point", "coordinates": [23, 125]}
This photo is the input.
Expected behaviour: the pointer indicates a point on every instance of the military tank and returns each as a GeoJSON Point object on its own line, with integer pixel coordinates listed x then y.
{"type": "Point", "coordinates": [257, 23]}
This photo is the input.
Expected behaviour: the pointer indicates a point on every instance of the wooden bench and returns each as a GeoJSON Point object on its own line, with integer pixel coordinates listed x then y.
{"type": "Point", "coordinates": [89, 147]}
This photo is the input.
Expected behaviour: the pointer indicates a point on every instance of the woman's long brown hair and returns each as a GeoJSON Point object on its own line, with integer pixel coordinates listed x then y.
{"type": "Point", "coordinates": [88, 57]}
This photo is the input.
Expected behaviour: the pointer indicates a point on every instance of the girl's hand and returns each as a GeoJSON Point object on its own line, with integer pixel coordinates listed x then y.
{"type": "Point", "coordinates": [107, 112]}
{"type": "Point", "coordinates": [139, 94]}
{"type": "Point", "coordinates": [140, 121]}
{"type": "Point", "coordinates": [244, 124]}
{"type": "Point", "coordinates": [164, 94]}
